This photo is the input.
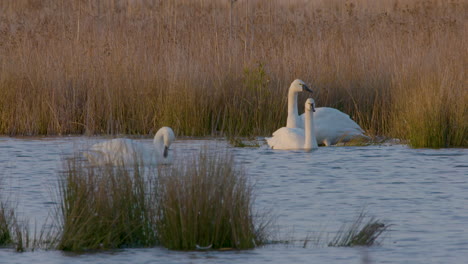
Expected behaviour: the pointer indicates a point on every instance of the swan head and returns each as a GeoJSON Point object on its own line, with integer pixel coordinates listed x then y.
{"type": "Point", "coordinates": [310, 105]}
{"type": "Point", "coordinates": [299, 86]}
{"type": "Point", "coordinates": [164, 138]}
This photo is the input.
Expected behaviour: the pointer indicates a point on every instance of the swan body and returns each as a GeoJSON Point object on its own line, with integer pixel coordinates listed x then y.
{"type": "Point", "coordinates": [127, 152]}
{"type": "Point", "coordinates": [333, 126]}
{"type": "Point", "coordinates": [297, 138]}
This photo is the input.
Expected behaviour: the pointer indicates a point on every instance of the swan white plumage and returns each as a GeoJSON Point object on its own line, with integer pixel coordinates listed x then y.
{"type": "Point", "coordinates": [296, 87]}
{"type": "Point", "coordinates": [297, 138]}
{"type": "Point", "coordinates": [331, 125]}
{"type": "Point", "coordinates": [127, 152]}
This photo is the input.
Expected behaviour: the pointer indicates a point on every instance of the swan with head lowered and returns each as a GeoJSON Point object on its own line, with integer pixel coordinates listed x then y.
{"type": "Point", "coordinates": [127, 152]}
{"type": "Point", "coordinates": [297, 138]}
{"type": "Point", "coordinates": [331, 125]}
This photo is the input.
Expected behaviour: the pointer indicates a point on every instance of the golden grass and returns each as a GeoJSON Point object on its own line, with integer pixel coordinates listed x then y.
{"type": "Point", "coordinates": [397, 67]}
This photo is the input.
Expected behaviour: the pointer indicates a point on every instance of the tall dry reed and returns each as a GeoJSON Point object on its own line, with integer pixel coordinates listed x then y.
{"type": "Point", "coordinates": [209, 67]}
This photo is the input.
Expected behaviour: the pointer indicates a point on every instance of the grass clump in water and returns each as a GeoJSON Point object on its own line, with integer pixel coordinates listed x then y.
{"type": "Point", "coordinates": [359, 233]}
{"type": "Point", "coordinates": [206, 203]}
{"type": "Point", "coordinates": [14, 233]}
{"type": "Point", "coordinates": [6, 215]}
{"type": "Point", "coordinates": [103, 208]}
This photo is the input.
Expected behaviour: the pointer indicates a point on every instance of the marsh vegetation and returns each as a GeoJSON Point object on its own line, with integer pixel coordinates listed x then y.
{"type": "Point", "coordinates": [204, 202]}
{"type": "Point", "coordinates": [211, 68]}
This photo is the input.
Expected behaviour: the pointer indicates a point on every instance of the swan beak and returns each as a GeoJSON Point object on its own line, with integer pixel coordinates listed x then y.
{"type": "Point", "coordinates": [313, 108]}
{"type": "Point", "coordinates": [166, 151]}
{"type": "Point", "coordinates": [306, 88]}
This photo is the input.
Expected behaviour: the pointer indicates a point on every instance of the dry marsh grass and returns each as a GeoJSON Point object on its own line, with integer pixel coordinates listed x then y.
{"type": "Point", "coordinates": [397, 67]}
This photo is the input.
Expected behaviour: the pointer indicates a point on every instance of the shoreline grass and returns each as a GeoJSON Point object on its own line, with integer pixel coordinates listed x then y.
{"type": "Point", "coordinates": [130, 67]}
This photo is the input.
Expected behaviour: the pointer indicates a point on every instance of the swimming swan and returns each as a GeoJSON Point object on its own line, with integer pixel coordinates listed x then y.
{"type": "Point", "coordinates": [331, 125]}
{"type": "Point", "coordinates": [296, 87]}
{"type": "Point", "coordinates": [297, 138]}
{"type": "Point", "coordinates": [123, 151]}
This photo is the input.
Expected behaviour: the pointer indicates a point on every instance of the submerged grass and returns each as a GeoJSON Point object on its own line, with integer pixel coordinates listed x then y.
{"type": "Point", "coordinates": [103, 208]}
{"type": "Point", "coordinates": [14, 232]}
{"type": "Point", "coordinates": [209, 67]}
{"type": "Point", "coordinates": [359, 233]}
{"type": "Point", "coordinates": [6, 214]}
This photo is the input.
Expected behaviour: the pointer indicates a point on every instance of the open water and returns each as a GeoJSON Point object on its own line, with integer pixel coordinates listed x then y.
{"type": "Point", "coordinates": [421, 193]}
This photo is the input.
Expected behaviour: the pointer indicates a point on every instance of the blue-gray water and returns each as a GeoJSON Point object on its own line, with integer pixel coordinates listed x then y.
{"type": "Point", "coordinates": [422, 193]}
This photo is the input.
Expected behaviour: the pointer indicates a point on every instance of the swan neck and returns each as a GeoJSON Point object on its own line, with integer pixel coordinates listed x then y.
{"type": "Point", "coordinates": [158, 139]}
{"type": "Point", "coordinates": [310, 140]}
{"type": "Point", "coordinates": [293, 115]}
{"type": "Point", "coordinates": [159, 142]}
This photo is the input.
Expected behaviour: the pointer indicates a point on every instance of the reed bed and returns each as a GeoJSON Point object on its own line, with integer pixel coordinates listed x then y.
{"type": "Point", "coordinates": [207, 203]}
{"type": "Point", "coordinates": [214, 68]}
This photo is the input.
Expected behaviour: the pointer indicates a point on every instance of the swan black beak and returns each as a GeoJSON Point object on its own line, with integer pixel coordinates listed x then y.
{"type": "Point", "coordinates": [166, 151]}
{"type": "Point", "coordinates": [306, 88]}
{"type": "Point", "coordinates": [313, 107]}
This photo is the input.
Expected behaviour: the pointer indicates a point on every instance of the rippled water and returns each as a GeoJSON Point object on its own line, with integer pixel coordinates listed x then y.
{"type": "Point", "coordinates": [423, 193]}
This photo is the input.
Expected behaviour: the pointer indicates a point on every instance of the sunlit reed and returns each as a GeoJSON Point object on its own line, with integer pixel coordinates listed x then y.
{"type": "Point", "coordinates": [397, 67]}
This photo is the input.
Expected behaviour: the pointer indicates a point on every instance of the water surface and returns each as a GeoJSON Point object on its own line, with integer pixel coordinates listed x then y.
{"type": "Point", "coordinates": [423, 193]}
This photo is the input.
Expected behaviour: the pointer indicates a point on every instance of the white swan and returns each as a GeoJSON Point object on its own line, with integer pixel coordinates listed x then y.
{"type": "Point", "coordinates": [296, 87]}
{"type": "Point", "coordinates": [122, 151]}
{"type": "Point", "coordinates": [297, 138]}
{"type": "Point", "coordinates": [331, 125]}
